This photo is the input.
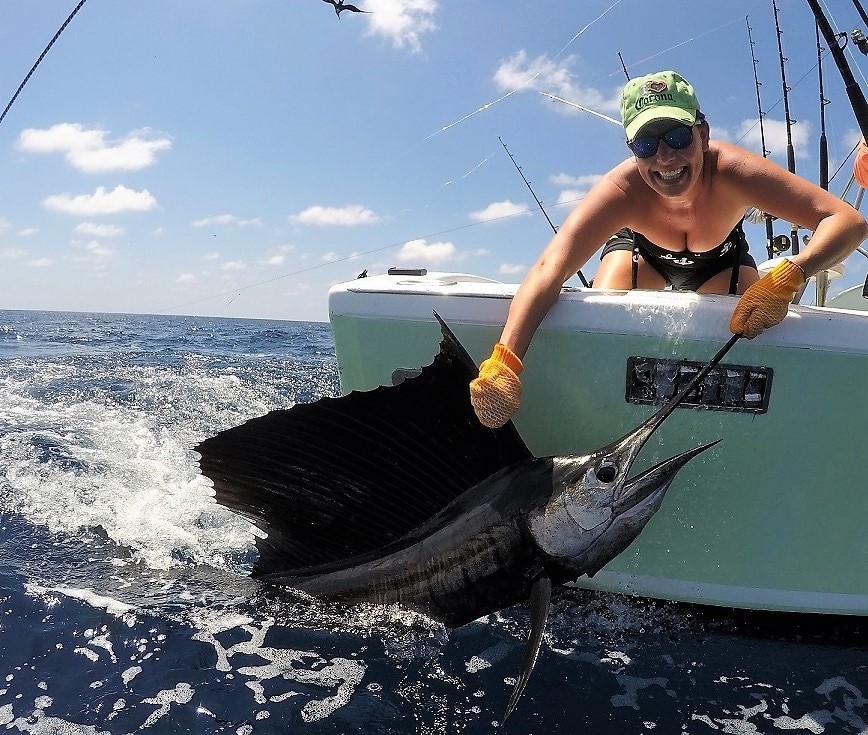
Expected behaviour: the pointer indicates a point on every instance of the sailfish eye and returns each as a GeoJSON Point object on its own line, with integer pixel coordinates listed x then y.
{"type": "Point", "coordinates": [607, 473]}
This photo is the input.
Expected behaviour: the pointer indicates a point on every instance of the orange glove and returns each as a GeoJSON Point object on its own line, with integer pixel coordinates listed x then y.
{"type": "Point", "coordinates": [860, 165]}
{"type": "Point", "coordinates": [496, 392]}
{"type": "Point", "coordinates": [765, 303]}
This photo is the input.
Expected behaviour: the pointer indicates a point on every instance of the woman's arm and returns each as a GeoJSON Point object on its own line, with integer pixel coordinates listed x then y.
{"type": "Point", "coordinates": [838, 228]}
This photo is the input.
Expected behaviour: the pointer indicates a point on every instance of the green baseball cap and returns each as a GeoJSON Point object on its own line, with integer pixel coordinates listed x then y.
{"type": "Point", "coordinates": [663, 95]}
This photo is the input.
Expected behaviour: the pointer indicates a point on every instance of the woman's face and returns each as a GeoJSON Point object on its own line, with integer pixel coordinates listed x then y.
{"type": "Point", "coordinates": [671, 172]}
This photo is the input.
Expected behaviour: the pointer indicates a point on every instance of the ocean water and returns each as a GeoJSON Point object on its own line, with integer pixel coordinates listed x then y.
{"type": "Point", "coordinates": [126, 604]}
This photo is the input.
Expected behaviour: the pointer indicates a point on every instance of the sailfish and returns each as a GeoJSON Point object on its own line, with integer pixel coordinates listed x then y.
{"type": "Point", "coordinates": [399, 495]}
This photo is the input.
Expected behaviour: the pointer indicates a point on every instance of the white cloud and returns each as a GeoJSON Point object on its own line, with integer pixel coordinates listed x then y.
{"type": "Point", "coordinates": [349, 216]}
{"type": "Point", "coordinates": [227, 220]}
{"type": "Point", "coordinates": [91, 150]}
{"type": "Point", "coordinates": [543, 74]}
{"type": "Point", "coordinates": [511, 269]}
{"type": "Point", "coordinates": [97, 254]}
{"type": "Point", "coordinates": [12, 253]}
{"type": "Point", "coordinates": [233, 266]}
{"type": "Point", "coordinates": [420, 251]}
{"type": "Point", "coordinates": [93, 253]}
{"type": "Point", "coordinates": [330, 257]}
{"type": "Point", "coordinates": [576, 187]}
{"type": "Point", "coordinates": [93, 229]}
{"type": "Point", "coordinates": [39, 263]}
{"type": "Point", "coordinates": [120, 199]}
{"type": "Point", "coordinates": [276, 256]}
{"type": "Point", "coordinates": [4, 224]}
{"type": "Point", "coordinates": [583, 181]}
{"type": "Point", "coordinates": [185, 278]}
{"type": "Point", "coordinates": [403, 22]}
{"type": "Point", "coordinates": [273, 259]}
{"type": "Point", "coordinates": [27, 231]}
{"type": "Point", "coordinates": [497, 210]}
{"type": "Point", "coordinates": [749, 135]}
{"type": "Point", "coordinates": [211, 256]}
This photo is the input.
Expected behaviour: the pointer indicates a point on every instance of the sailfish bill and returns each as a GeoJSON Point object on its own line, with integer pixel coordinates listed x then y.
{"type": "Point", "coordinates": [399, 495]}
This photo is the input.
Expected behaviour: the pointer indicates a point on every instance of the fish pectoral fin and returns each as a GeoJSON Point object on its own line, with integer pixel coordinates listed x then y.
{"type": "Point", "coordinates": [540, 601]}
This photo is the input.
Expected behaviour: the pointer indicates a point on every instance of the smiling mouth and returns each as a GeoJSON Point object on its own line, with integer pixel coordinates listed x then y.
{"type": "Point", "coordinates": [671, 175]}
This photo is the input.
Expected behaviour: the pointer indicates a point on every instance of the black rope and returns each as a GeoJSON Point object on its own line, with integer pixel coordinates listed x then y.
{"type": "Point", "coordinates": [41, 57]}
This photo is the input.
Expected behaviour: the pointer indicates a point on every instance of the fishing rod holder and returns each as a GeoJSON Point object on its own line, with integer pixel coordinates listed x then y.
{"type": "Point", "coordinates": [859, 39]}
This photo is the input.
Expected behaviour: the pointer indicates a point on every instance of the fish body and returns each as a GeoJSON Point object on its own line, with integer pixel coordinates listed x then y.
{"type": "Point", "coordinates": [550, 516]}
{"type": "Point", "coordinates": [474, 557]}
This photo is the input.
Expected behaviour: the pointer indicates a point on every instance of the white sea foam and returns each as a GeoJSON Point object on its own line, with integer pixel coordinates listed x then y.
{"type": "Point", "coordinates": [38, 724]}
{"type": "Point", "coordinates": [78, 463]}
{"type": "Point", "coordinates": [337, 674]}
{"type": "Point", "coordinates": [181, 694]}
{"type": "Point", "coordinates": [492, 655]}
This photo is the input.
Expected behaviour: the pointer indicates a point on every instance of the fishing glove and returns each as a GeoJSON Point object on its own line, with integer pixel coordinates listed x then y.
{"type": "Point", "coordinates": [765, 303]}
{"type": "Point", "coordinates": [496, 392]}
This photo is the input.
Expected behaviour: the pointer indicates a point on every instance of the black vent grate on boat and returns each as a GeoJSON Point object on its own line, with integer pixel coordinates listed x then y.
{"type": "Point", "coordinates": [653, 380]}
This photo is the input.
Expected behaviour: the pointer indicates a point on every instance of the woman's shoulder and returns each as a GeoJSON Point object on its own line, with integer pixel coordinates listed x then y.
{"type": "Point", "coordinates": [624, 175]}
{"type": "Point", "coordinates": [729, 157]}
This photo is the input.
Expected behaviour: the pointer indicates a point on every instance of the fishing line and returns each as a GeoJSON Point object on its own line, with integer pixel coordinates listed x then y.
{"type": "Point", "coordinates": [471, 171]}
{"type": "Point", "coordinates": [354, 256]}
{"type": "Point", "coordinates": [526, 83]}
{"type": "Point", "coordinates": [635, 63]}
{"type": "Point", "coordinates": [451, 182]}
{"type": "Point", "coordinates": [41, 57]}
{"type": "Point", "coordinates": [671, 48]}
{"type": "Point", "coordinates": [843, 163]}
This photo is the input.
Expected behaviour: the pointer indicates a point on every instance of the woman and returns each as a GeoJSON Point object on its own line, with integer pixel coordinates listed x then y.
{"type": "Point", "coordinates": [678, 200]}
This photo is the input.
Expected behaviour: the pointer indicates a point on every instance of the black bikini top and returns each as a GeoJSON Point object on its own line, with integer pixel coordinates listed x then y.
{"type": "Point", "coordinates": [687, 258]}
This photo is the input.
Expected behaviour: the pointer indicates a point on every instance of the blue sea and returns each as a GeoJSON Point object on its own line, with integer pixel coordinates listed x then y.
{"type": "Point", "coordinates": [126, 604]}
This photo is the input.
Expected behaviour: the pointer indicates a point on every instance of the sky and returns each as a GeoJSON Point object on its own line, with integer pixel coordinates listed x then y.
{"type": "Point", "coordinates": [239, 157]}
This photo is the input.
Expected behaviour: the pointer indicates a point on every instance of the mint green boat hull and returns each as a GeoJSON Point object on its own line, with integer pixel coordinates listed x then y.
{"type": "Point", "coordinates": [773, 517]}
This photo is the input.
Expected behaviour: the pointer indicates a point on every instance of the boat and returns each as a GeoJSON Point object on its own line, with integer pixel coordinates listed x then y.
{"type": "Point", "coordinates": [771, 518]}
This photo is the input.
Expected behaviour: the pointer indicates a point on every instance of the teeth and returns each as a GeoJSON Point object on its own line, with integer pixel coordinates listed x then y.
{"type": "Point", "coordinates": [669, 175]}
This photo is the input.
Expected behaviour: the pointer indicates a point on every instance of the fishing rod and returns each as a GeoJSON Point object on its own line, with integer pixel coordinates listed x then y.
{"type": "Point", "coordinates": [861, 11]}
{"type": "Point", "coordinates": [851, 86]}
{"type": "Point", "coordinates": [824, 147]}
{"type": "Point", "coordinates": [791, 154]}
{"type": "Point", "coordinates": [854, 91]}
{"type": "Point", "coordinates": [41, 57]}
{"type": "Point", "coordinates": [582, 108]}
{"type": "Point", "coordinates": [624, 66]}
{"type": "Point", "coordinates": [539, 203]}
{"type": "Point", "coordinates": [821, 280]}
{"type": "Point", "coordinates": [770, 233]}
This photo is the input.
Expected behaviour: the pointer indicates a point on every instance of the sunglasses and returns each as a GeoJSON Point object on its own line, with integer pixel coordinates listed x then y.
{"type": "Point", "coordinates": [677, 138]}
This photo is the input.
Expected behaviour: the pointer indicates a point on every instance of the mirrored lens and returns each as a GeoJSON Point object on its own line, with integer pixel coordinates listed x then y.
{"type": "Point", "coordinates": [645, 147]}
{"type": "Point", "coordinates": [677, 138]}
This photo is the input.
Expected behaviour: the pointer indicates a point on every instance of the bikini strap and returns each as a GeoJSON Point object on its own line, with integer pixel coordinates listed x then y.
{"type": "Point", "coordinates": [739, 240]}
